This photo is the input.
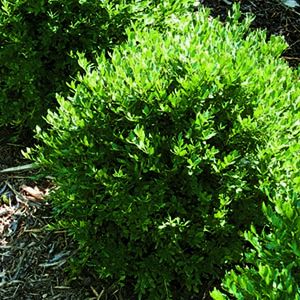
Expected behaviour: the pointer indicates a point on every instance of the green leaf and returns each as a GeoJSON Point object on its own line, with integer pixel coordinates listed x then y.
{"type": "Point", "coordinates": [217, 295]}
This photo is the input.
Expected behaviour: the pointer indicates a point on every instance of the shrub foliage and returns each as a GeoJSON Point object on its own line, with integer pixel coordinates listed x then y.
{"type": "Point", "coordinates": [271, 267]}
{"type": "Point", "coordinates": [37, 41]}
{"type": "Point", "coordinates": [155, 152]}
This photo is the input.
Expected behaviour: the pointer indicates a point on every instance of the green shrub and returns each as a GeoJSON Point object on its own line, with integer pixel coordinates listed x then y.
{"type": "Point", "coordinates": [155, 152]}
{"type": "Point", "coordinates": [271, 267]}
{"type": "Point", "coordinates": [38, 37]}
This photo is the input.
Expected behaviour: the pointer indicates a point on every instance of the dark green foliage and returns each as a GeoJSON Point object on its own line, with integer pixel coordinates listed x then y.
{"type": "Point", "coordinates": [37, 38]}
{"type": "Point", "coordinates": [155, 152]}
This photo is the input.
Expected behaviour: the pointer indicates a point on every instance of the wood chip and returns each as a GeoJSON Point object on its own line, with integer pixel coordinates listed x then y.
{"type": "Point", "coordinates": [33, 193]}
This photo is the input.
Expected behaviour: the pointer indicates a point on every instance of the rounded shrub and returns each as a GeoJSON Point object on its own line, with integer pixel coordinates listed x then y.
{"type": "Point", "coordinates": [37, 41]}
{"type": "Point", "coordinates": [155, 152]}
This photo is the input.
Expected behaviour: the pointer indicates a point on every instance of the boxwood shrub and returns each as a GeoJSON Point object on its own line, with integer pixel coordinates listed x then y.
{"type": "Point", "coordinates": [38, 37]}
{"type": "Point", "coordinates": [155, 152]}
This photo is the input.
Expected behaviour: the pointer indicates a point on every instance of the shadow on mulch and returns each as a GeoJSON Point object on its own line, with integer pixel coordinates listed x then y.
{"type": "Point", "coordinates": [33, 259]}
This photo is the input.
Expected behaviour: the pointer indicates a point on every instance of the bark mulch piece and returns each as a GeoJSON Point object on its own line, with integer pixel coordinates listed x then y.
{"type": "Point", "coordinates": [271, 15]}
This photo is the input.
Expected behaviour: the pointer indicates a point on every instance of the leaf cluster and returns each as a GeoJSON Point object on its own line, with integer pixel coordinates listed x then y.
{"type": "Point", "coordinates": [38, 41]}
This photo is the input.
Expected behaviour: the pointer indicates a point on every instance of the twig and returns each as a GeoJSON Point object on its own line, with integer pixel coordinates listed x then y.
{"type": "Point", "coordinates": [19, 266]}
{"type": "Point", "coordinates": [227, 2]}
{"type": "Point", "coordinates": [291, 58]}
{"type": "Point", "coordinates": [3, 189]}
{"type": "Point", "coordinates": [20, 168]}
{"type": "Point", "coordinates": [20, 196]}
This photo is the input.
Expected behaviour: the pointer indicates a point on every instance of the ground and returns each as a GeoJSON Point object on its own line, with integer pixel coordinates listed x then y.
{"type": "Point", "coordinates": [33, 259]}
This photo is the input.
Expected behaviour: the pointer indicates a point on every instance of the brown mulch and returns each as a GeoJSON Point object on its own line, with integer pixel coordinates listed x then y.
{"type": "Point", "coordinates": [33, 259]}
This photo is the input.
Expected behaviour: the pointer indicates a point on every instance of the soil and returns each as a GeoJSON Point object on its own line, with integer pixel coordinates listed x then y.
{"type": "Point", "coordinates": [34, 259]}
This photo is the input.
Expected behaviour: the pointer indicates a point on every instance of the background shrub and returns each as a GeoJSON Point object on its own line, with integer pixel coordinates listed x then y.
{"type": "Point", "coordinates": [155, 152]}
{"type": "Point", "coordinates": [37, 38]}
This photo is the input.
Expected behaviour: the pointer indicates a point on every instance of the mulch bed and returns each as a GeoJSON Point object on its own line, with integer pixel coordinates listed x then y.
{"type": "Point", "coordinates": [33, 259]}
